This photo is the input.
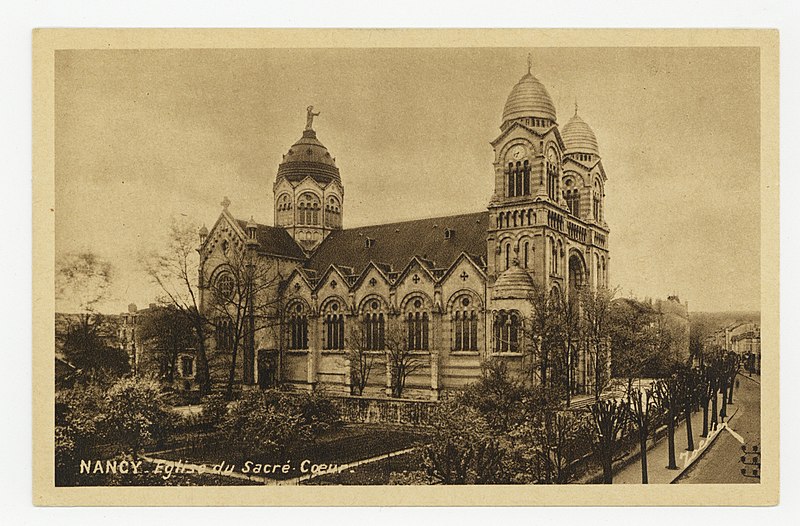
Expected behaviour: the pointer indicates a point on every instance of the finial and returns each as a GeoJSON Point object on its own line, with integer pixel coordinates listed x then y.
{"type": "Point", "coordinates": [529, 63]}
{"type": "Point", "coordinates": [225, 202]}
{"type": "Point", "coordinates": [310, 117]}
{"type": "Point", "coordinates": [576, 106]}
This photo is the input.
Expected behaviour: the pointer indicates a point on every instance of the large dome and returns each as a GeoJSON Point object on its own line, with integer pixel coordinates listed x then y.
{"type": "Point", "coordinates": [513, 283]}
{"type": "Point", "coordinates": [529, 98]}
{"type": "Point", "coordinates": [308, 157]}
{"type": "Point", "coordinates": [578, 137]}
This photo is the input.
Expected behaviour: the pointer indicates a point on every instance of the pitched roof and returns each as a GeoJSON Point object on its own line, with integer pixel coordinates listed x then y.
{"type": "Point", "coordinates": [395, 244]}
{"type": "Point", "coordinates": [275, 240]}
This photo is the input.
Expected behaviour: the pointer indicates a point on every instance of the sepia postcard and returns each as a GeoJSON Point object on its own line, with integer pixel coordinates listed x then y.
{"type": "Point", "coordinates": [483, 267]}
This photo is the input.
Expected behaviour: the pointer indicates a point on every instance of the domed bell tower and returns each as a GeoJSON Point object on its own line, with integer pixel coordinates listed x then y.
{"type": "Point", "coordinates": [527, 169]}
{"type": "Point", "coordinates": [308, 190]}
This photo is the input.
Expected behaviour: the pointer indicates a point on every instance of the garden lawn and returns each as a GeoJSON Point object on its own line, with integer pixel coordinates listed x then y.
{"type": "Point", "coordinates": [340, 446]}
{"type": "Point", "coordinates": [382, 472]}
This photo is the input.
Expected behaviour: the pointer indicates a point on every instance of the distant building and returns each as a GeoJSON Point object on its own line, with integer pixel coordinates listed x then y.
{"type": "Point", "coordinates": [140, 352]}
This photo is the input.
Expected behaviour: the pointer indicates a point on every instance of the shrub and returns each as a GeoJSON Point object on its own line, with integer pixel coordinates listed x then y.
{"type": "Point", "coordinates": [215, 408]}
{"type": "Point", "coordinates": [77, 428]}
{"type": "Point", "coordinates": [136, 414]}
{"type": "Point", "coordinates": [464, 448]}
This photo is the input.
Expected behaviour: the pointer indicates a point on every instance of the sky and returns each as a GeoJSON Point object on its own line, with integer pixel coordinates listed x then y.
{"type": "Point", "coordinates": [145, 136]}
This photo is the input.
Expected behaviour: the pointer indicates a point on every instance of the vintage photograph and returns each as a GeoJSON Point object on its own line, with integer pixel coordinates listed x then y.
{"type": "Point", "coordinates": [405, 265]}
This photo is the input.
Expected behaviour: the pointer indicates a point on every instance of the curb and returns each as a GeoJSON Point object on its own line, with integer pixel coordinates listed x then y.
{"type": "Point", "coordinates": [706, 446]}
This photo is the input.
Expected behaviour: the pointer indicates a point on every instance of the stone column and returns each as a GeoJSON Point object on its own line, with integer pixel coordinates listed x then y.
{"type": "Point", "coordinates": [388, 375]}
{"type": "Point", "coordinates": [434, 360]}
{"type": "Point", "coordinates": [313, 349]}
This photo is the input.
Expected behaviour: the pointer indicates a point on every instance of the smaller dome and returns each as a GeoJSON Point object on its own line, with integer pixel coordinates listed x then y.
{"type": "Point", "coordinates": [513, 283]}
{"type": "Point", "coordinates": [529, 98]}
{"type": "Point", "coordinates": [578, 137]}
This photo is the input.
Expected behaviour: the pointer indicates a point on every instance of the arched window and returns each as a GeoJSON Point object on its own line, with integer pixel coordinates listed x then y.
{"type": "Point", "coordinates": [553, 257]}
{"type": "Point", "coordinates": [284, 209]}
{"type": "Point", "coordinates": [297, 327]}
{"type": "Point", "coordinates": [573, 201]}
{"type": "Point", "coordinates": [333, 322]}
{"type": "Point", "coordinates": [465, 325]}
{"type": "Point", "coordinates": [223, 333]}
{"type": "Point", "coordinates": [333, 213]}
{"type": "Point", "coordinates": [508, 256]}
{"type": "Point", "coordinates": [526, 178]}
{"type": "Point", "coordinates": [374, 326]}
{"type": "Point", "coordinates": [507, 332]}
{"type": "Point", "coordinates": [597, 202]}
{"type": "Point", "coordinates": [308, 207]}
{"type": "Point", "coordinates": [418, 325]}
{"type": "Point", "coordinates": [526, 249]}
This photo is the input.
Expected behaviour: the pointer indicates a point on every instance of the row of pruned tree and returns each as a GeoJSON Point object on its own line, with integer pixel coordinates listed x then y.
{"type": "Point", "coordinates": [643, 410]}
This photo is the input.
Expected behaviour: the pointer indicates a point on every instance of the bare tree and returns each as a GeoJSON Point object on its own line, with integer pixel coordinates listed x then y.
{"type": "Point", "coordinates": [569, 310]}
{"type": "Point", "coordinates": [668, 393]}
{"type": "Point", "coordinates": [561, 437]}
{"type": "Point", "coordinates": [632, 340]}
{"type": "Point", "coordinates": [643, 411]}
{"type": "Point", "coordinates": [402, 361]}
{"type": "Point", "coordinates": [597, 320]}
{"type": "Point", "coordinates": [544, 333]}
{"type": "Point", "coordinates": [175, 270]}
{"type": "Point", "coordinates": [243, 300]}
{"type": "Point", "coordinates": [609, 419]}
{"type": "Point", "coordinates": [361, 354]}
{"type": "Point", "coordinates": [689, 382]}
{"type": "Point", "coordinates": [82, 282]}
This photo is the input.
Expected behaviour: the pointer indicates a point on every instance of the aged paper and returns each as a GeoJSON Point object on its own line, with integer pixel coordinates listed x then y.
{"type": "Point", "coordinates": [290, 267]}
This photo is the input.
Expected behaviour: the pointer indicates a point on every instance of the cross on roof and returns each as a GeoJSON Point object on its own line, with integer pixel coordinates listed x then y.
{"type": "Point", "coordinates": [464, 276]}
{"type": "Point", "coordinates": [415, 279]}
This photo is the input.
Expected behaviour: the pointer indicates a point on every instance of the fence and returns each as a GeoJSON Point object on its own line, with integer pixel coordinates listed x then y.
{"type": "Point", "coordinates": [362, 410]}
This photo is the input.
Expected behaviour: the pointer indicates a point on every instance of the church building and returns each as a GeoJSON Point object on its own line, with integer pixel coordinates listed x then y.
{"type": "Point", "coordinates": [456, 287]}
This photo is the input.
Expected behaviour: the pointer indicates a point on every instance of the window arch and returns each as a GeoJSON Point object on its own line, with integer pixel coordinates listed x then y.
{"type": "Point", "coordinates": [597, 201]}
{"type": "Point", "coordinates": [333, 212]}
{"type": "Point", "coordinates": [552, 174]}
{"type": "Point", "coordinates": [223, 333]}
{"type": "Point", "coordinates": [507, 327]}
{"type": "Point", "coordinates": [297, 326]}
{"type": "Point", "coordinates": [308, 206]}
{"type": "Point", "coordinates": [283, 207]}
{"type": "Point", "coordinates": [526, 248]}
{"type": "Point", "coordinates": [507, 256]}
{"type": "Point", "coordinates": [333, 326]}
{"type": "Point", "coordinates": [464, 318]}
{"type": "Point", "coordinates": [417, 325]}
{"type": "Point", "coordinates": [374, 322]}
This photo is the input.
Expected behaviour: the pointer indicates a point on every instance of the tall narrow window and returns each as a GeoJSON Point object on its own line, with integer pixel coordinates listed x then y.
{"type": "Point", "coordinates": [526, 178]}
{"type": "Point", "coordinates": [507, 327]}
{"type": "Point", "coordinates": [334, 327]}
{"type": "Point", "coordinates": [519, 185]}
{"type": "Point", "coordinates": [374, 326]}
{"type": "Point", "coordinates": [526, 248]}
{"type": "Point", "coordinates": [465, 325]}
{"type": "Point", "coordinates": [418, 327]}
{"type": "Point", "coordinates": [297, 327]}
{"type": "Point", "coordinates": [508, 255]}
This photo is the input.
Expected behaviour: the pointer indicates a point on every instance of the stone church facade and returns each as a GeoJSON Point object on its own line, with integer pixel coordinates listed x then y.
{"type": "Point", "coordinates": [456, 287]}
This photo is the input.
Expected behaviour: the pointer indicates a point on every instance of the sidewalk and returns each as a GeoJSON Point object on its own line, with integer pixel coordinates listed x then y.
{"type": "Point", "coordinates": [657, 456]}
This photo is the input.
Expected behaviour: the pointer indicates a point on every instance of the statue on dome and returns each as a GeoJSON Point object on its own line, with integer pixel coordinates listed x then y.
{"type": "Point", "coordinates": [310, 117]}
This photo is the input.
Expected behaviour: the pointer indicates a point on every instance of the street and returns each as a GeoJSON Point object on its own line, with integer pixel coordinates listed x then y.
{"type": "Point", "coordinates": [721, 463]}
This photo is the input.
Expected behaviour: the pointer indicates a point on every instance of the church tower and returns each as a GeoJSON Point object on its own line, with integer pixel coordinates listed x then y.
{"type": "Point", "coordinates": [546, 211]}
{"type": "Point", "coordinates": [309, 195]}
